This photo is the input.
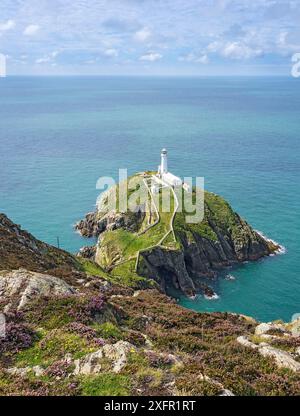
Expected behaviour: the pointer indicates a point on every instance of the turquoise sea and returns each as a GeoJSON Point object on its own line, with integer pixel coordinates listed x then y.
{"type": "Point", "coordinates": [58, 135]}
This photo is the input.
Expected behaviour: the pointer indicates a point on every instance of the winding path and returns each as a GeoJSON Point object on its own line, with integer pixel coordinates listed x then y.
{"type": "Point", "coordinates": [171, 230]}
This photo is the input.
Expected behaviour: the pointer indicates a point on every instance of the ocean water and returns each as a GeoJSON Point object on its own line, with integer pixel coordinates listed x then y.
{"type": "Point", "coordinates": [59, 135]}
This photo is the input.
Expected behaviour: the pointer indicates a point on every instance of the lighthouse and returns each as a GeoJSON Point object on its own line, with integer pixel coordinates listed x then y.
{"type": "Point", "coordinates": [164, 161]}
{"type": "Point", "coordinates": [163, 173]}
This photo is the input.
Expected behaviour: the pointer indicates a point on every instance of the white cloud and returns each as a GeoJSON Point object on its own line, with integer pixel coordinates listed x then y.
{"type": "Point", "coordinates": [191, 57]}
{"type": "Point", "coordinates": [214, 46]}
{"type": "Point", "coordinates": [31, 30]}
{"type": "Point", "coordinates": [238, 50]}
{"type": "Point", "coordinates": [203, 59]}
{"type": "Point", "coordinates": [234, 50]}
{"type": "Point", "coordinates": [10, 24]}
{"type": "Point", "coordinates": [43, 60]}
{"type": "Point", "coordinates": [112, 53]}
{"type": "Point", "coordinates": [47, 58]}
{"type": "Point", "coordinates": [285, 45]}
{"type": "Point", "coordinates": [151, 57]}
{"type": "Point", "coordinates": [142, 35]}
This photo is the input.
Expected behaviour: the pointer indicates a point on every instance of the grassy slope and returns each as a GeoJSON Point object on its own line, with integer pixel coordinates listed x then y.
{"type": "Point", "coordinates": [204, 343]}
{"type": "Point", "coordinates": [124, 245]}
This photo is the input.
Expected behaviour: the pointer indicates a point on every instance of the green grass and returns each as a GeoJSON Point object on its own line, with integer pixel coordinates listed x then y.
{"type": "Point", "coordinates": [53, 347]}
{"type": "Point", "coordinates": [53, 314]}
{"type": "Point", "coordinates": [122, 244]}
{"type": "Point", "coordinates": [92, 268]}
{"type": "Point", "coordinates": [216, 211]}
{"type": "Point", "coordinates": [106, 385]}
{"type": "Point", "coordinates": [109, 330]}
{"type": "Point", "coordinates": [125, 274]}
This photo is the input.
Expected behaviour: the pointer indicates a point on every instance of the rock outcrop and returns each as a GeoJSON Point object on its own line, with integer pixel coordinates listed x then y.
{"type": "Point", "coordinates": [19, 287]}
{"type": "Point", "coordinates": [272, 340]}
{"type": "Point", "coordinates": [111, 357]}
{"type": "Point", "coordinates": [18, 248]}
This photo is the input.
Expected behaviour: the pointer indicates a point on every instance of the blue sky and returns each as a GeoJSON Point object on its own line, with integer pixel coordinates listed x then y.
{"type": "Point", "coordinates": [149, 37]}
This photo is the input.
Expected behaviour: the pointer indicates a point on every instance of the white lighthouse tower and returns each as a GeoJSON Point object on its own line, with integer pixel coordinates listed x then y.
{"type": "Point", "coordinates": [163, 173]}
{"type": "Point", "coordinates": [164, 161]}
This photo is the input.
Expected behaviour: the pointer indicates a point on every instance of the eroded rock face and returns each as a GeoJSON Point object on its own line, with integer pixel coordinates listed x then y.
{"type": "Point", "coordinates": [19, 287]}
{"type": "Point", "coordinates": [111, 357]}
{"type": "Point", "coordinates": [95, 223]}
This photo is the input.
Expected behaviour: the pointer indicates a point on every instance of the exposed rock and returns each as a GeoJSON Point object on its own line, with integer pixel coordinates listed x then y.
{"type": "Point", "coordinates": [264, 328]}
{"type": "Point", "coordinates": [294, 327]}
{"type": "Point", "coordinates": [87, 252]}
{"type": "Point", "coordinates": [23, 372]}
{"type": "Point", "coordinates": [95, 223]}
{"type": "Point", "coordinates": [19, 287]}
{"type": "Point", "coordinates": [282, 358]}
{"type": "Point", "coordinates": [157, 358]}
{"type": "Point", "coordinates": [167, 267]}
{"type": "Point", "coordinates": [89, 227]}
{"type": "Point", "coordinates": [223, 391]}
{"type": "Point", "coordinates": [209, 292]}
{"type": "Point", "coordinates": [111, 357]}
{"type": "Point", "coordinates": [246, 343]}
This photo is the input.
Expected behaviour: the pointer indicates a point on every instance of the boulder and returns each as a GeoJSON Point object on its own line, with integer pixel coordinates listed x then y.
{"type": "Point", "coordinates": [111, 357]}
{"type": "Point", "coordinates": [264, 328]}
{"type": "Point", "coordinates": [282, 358]}
{"type": "Point", "coordinates": [23, 372]}
{"type": "Point", "coordinates": [244, 341]}
{"type": "Point", "coordinates": [19, 287]}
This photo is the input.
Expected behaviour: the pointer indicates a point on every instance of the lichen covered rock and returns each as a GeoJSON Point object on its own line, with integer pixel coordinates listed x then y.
{"type": "Point", "coordinates": [19, 287]}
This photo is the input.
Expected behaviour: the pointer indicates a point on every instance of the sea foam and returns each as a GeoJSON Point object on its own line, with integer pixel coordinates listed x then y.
{"type": "Point", "coordinates": [280, 250]}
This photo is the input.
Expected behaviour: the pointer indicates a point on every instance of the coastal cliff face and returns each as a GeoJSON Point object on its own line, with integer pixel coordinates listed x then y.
{"type": "Point", "coordinates": [18, 248]}
{"type": "Point", "coordinates": [81, 333]}
{"type": "Point", "coordinates": [221, 240]}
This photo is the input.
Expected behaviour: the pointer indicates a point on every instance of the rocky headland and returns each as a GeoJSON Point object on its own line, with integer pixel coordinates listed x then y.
{"type": "Point", "coordinates": [222, 239]}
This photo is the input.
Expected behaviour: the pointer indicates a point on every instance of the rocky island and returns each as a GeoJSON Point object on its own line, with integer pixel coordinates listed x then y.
{"type": "Point", "coordinates": [154, 245]}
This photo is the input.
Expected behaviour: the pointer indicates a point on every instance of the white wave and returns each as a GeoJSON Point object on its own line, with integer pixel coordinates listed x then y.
{"type": "Point", "coordinates": [281, 249]}
{"type": "Point", "coordinates": [229, 277]}
{"type": "Point", "coordinates": [212, 297]}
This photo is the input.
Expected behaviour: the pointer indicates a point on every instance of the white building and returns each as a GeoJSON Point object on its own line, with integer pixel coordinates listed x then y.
{"type": "Point", "coordinates": [163, 173]}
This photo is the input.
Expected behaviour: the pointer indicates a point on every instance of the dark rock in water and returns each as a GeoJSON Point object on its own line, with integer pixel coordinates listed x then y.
{"type": "Point", "coordinates": [208, 292]}
{"type": "Point", "coordinates": [89, 227]}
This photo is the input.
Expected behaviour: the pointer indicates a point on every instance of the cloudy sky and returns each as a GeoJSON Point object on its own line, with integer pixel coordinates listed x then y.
{"type": "Point", "coordinates": [149, 37]}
